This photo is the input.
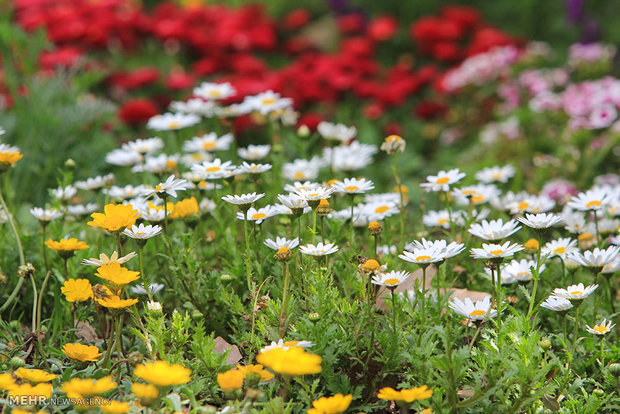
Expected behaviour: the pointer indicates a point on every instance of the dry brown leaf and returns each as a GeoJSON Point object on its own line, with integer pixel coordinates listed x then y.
{"type": "Point", "coordinates": [86, 332]}
{"type": "Point", "coordinates": [222, 346]}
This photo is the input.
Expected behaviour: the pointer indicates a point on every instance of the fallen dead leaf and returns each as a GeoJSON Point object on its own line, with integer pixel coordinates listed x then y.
{"type": "Point", "coordinates": [85, 332]}
{"type": "Point", "coordinates": [222, 346]}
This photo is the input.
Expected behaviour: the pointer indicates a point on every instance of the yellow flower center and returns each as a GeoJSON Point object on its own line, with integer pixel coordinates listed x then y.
{"type": "Point", "coordinates": [258, 216]}
{"type": "Point", "coordinates": [171, 164]}
{"type": "Point", "coordinates": [391, 282]}
{"type": "Point", "coordinates": [442, 221]}
{"type": "Point", "coordinates": [382, 209]}
{"type": "Point", "coordinates": [158, 188]}
{"type": "Point", "coordinates": [576, 292]}
{"type": "Point", "coordinates": [608, 267]}
{"type": "Point", "coordinates": [477, 312]}
{"type": "Point", "coordinates": [600, 329]}
{"type": "Point", "coordinates": [496, 252]}
{"type": "Point", "coordinates": [208, 145]}
{"type": "Point", "coordinates": [214, 93]}
{"type": "Point", "coordinates": [594, 203]}
{"type": "Point", "coordinates": [174, 125]}
{"type": "Point", "coordinates": [351, 188]}
{"type": "Point", "coordinates": [314, 195]}
{"type": "Point", "coordinates": [443, 180]}
{"type": "Point", "coordinates": [422, 258]}
{"type": "Point", "coordinates": [498, 175]}
{"type": "Point", "coordinates": [523, 205]}
{"type": "Point", "coordinates": [560, 250]}
{"type": "Point", "coordinates": [468, 192]}
{"type": "Point", "coordinates": [213, 169]}
{"type": "Point", "coordinates": [478, 198]}
{"type": "Point", "coordinates": [299, 175]}
{"type": "Point", "coordinates": [283, 250]}
{"type": "Point", "coordinates": [268, 101]}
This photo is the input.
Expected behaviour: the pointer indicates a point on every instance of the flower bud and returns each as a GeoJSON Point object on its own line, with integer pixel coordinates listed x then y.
{"type": "Point", "coordinates": [544, 344]}
{"type": "Point", "coordinates": [303, 131]}
{"type": "Point", "coordinates": [154, 306]}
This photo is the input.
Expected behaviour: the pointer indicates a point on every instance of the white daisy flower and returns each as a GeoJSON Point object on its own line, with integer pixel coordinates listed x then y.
{"type": "Point", "coordinates": [379, 211]}
{"type": "Point", "coordinates": [591, 200]}
{"type": "Point", "coordinates": [521, 270]}
{"type": "Point", "coordinates": [64, 193]}
{"type": "Point", "coordinates": [507, 278]}
{"type": "Point", "coordinates": [439, 218]}
{"type": "Point", "coordinates": [353, 186]}
{"type": "Point", "coordinates": [496, 174]}
{"type": "Point", "coordinates": [243, 199]}
{"type": "Point", "coordinates": [45, 215]}
{"type": "Point", "coordinates": [104, 259]}
{"type": "Point", "coordinates": [494, 229]}
{"type": "Point", "coordinates": [169, 187]}
{"type": "Point", "coordinates": [531, 204]}
{"type": "Point", "coordinates": [214, 91]}
{"type": "Point", "coordinates": [596, 258]}
{"type": "Point", "coordinates": [540, 220]}
{"type": "Point", "coordinates": [213, 170]}
{"type": "Point", "coordinates": [254, 168]}
{"type": "Point", "coordinates": [301, 169]}
{"type": "Point", "coordinates": [319, 250]}
{"type": "Point", "coordinates": [123, 193]}
{"type": "Point", "coordinates": [254, 152]}
{"type": "Point", "coordinates": [495, 251]}
{"type": "Point", "coordinates": [153, 215]}
{"type": "Point", "coordinates": [172, 122]}
{"type": "Point", "coordinates": [82, 209]}
{"type": "Point", "coordinates": [560, 247]}
{"type": "Point", "coordinates": [144, 146]}
{"type": "Point", "coordinates": [286, 345]}
{"type": "Point", "coordinates": [336, 132]}
{"type": "Point", "coordinates": [390, 279]}
{"type": "Point", "coordinates": [123, 158]}
{"type": "Point", "coordinates": [611, 267]}
{"type": "Point", "coordinates": [475, 194]}
{"type": "Point", "coordinates": [557, 304]}
{"type": "Point", "coordinates": [95, 183]}
{"type": "Point", "coordinates": [293, 201]}
{"type": "Point", "coordinates": [575, 221]}
{"type": "Point", "coordinates": [386, 249]}
{"type": "Point", "coordinates": [195, 106]}
{"type": "Point", "coordinates": [575, 292]}
{"type": "Point", "coordinates": [423, 255]}
{"type": "Point", "coordinates": [142, 232]}
{"type": "Point", "coordinates": [447, 249]}
{"type": "Point", "coordinates": [315, 194]}
{"type": "Point", "coordinates": [281, 242]}
{"type": "Point", "coordinates": [477, 311]}
{"type": "Point", "coordinates": [158, 165]}
{"type": "Point", "coordinates": [392, 144]}
{"type": "Point", "coordinates": [353, 157]}
{"type": "Point", "coordinates": [153, 289]}
{"type": "Point", "coordinates": [267, 102]}
{"type": "Point", "coordinates": [208, 143]}
{"type": "Point", "coordinates": [443, 180]}
{"type": "Point", "coordinates": [306, 185]}
{"type": "Point", "coordinates": [600, 328]}
{"type": "Point", "coordinates": [257, 215]}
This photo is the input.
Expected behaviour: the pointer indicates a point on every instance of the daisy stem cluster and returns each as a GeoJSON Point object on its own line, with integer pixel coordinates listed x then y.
{"type": "Point", "coordinates": [20, 252]}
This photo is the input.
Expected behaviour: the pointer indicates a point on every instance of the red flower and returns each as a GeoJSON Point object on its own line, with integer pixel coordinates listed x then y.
{"type": "Point", "coordinates": [296, 19]}
{"type": "Point", "coordinates": [351, 23]}
{"type": "Point", "coordinates": [65, 57]}
{"type": "Point", "coordinates": [446, 51]}
{"type": "Point", "coordinates": [179, 80]}
{"type": "Point", "coordinates": [373, 111]}
{"type": "Point", "coordinates": [466, 17]}
{"type": "Point", "coordinates": [136, 79]}
{"type": "Point", "coordinates": [382, 28]}
{"type": "Point", "coordinates": [206, 66]}
{"type": "Point", "coordinates": [430, 109]}
{"type": "Point", "coordinates": [487, 38]}
{"type": "Point", "coordinates": [393, 128]}
{"type": "Point", "coordinates": [136, 112]}
{"type": "Point", "coordinates": [311, 120]}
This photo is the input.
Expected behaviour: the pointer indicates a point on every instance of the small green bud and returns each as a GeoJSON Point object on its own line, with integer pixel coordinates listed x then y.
{"type": "Point", "coordinates": [615, 369]}
{"type": "Point", "coordinates": [598, 392]}
{"type": "Point", "coordinates": [303, 131]}
{"type": "Point", "coordinates": [70, 164]}
{"type": "Point", "coordinates": [16, 362]}
{"type": "Point", "coordinates": [313, 316]}
{"type": "Point", "coordinates": [545, 344]}
{"type": "Point", "coordinates": [226, 276]}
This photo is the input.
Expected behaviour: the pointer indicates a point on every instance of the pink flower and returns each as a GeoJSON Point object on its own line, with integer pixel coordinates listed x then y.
{"type": "Point", "coordinates": [602, 116]}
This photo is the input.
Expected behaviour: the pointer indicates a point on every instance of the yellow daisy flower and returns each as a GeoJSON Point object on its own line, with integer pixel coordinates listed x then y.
{"type": "Point", "coordinates": [34, 375]}
{"type": "Point", "coordinates": [77, 290]}
{"type": "Point", "coordinates": [115, 217]}
{"type": "Point", "coordinates": [331, 405]}
{"type": "Point", "coordinates": [163, 374]}
{"type": "Point", "coordinates": [116, 274]}
{"type": "Point", "coordinates": [81, 352]}
{"type": "Point", "coordinates": [291, 361]}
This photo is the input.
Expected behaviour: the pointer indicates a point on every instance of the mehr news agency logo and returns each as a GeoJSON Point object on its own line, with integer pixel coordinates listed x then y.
{"type": "Point", "coordinates": [32, 400]}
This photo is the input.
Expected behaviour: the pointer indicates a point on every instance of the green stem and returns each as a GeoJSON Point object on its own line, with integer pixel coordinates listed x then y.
{"type": "Point", "coordinates": [111, 342]}
{"type": "Point", "coordinates": [285, 299]}
{"type": "Point", "coordinates": [352, 229]}
{"type": "Point", "coordinates": [40, 303]}
{"type": "Point", "coordinates": [575, 331]}
{"type": "Point", "coordinates": [43, 247]}
{"type": "Point", "coordinates": [402, 199]}
{"type": "Point", "coordinates": [314, 225]}
{"type": "Point", "coordinates": [34, 304]}
{"type": "Point", "coordinates": [248, 266]}
{"type": "Point", "coordinates": [598, 236]}
{"type": "Point", "coordinates": [602, 350]}
{"type": "Point", "coordinates": [145, 283]}
{"type": "Point", "coordinates": [394, 312]}
{"type": "Point", "coordinates": [20, 251]}
{"type": "Point", "coordinates": [536, 279]}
